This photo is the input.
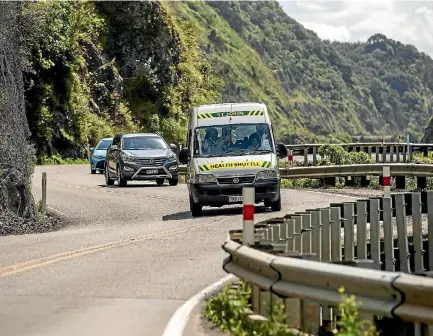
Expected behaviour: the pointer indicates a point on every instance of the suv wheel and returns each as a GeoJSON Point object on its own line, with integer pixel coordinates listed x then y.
{"type": "Point", "coordinates": [276, 206]}
{"type": "Point", "coordinates": [120, 181]}
{"type": "Point", "coordinates": [160, 182]}
{"type": "Point", "coordinates": [173, 181]}
{"type": "Point", "coordinates": [93, 171]}
{"type": "Point", "coordinates": [196, 208]}
{"type": "Point", "coordinates": [108, 180]}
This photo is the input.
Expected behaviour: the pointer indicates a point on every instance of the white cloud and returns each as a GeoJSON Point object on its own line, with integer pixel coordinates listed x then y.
{"type": "Point", "coordinates": [409, 22]}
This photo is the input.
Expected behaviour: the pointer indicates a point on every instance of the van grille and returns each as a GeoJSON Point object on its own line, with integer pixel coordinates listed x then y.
{"type": "Point", "coordinates": [242, 179]}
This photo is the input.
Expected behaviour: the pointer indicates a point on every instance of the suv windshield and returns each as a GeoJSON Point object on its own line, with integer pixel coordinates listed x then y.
{"type": "Point", "coordinates": [103, 144]}
{"type": "Point", "coordinates": [137, 143]}
{"type": "Point", "coordinates": [235, 139]}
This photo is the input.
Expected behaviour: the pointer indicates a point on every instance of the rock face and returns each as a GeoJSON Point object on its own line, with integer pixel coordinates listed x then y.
{"type": "Point", "coordinates": [17, 208]}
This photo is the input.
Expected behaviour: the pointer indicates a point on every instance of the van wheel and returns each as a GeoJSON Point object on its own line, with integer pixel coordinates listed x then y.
{"type": "Point", "coordinates": [108, 180]}
{"type": "Point", "coordinates": [174, 181]}
{"type": "Point", "coordinates": [276, 206]}
{"type": "Point", "coordinates": [121, 182]}
{"type": "Point", "coordinates": [160, 182]}
{"type": "Point", "coordinates": [196, 208]}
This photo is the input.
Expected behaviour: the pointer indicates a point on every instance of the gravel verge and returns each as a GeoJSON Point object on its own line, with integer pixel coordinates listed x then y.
{"type": "Point", "coordinates": [11, 224]}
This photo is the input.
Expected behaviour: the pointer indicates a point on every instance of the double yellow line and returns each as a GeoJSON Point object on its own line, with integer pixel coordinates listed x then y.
{"type": "Point", "coordinates": [36, 263]}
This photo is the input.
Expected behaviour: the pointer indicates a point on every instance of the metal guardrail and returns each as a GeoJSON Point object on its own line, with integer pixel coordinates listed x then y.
{"type": "Point", "coordinates": [397, 169]}
{"type": "Point", "coordinates": [361, 245]}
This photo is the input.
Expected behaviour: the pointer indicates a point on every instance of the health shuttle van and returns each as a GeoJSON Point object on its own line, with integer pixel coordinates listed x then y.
{"type": "Point", "coordinates": [231, 146]}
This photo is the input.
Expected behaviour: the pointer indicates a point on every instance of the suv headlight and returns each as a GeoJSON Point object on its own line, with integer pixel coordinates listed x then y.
{"type": "Point", "coordinates": [128, 158]}
{"type": "Point", "coordinates": [204, 178]}
{"type": "Point", "coordinates": [172, 157]}
{"type": "Point", "coordinates": [269, 174]}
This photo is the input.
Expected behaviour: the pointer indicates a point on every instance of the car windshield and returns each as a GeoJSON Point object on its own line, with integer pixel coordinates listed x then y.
{"type": "Point", "coordinates": [137, 143]}
{"type": "Point", "coordinates": [103, 144]}
{"type": "Point", "coordinates": [235, 139]}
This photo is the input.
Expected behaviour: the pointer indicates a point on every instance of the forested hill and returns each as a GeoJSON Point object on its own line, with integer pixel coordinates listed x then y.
{"type": "Point", "coordinates": [95, 68]}
{"type": "Point", "coordinates": [379, 87]}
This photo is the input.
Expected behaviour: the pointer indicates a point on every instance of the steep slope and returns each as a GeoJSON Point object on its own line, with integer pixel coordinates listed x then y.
{"type": "Point", "coordinates": [399, 79]}
{"type": "Point", "coordinates": [245, 76]}
{"type": "Point", "coordinates": [17, 209]}
{"type": "Point", "coordinates": [330, 87]}
{"type": "Point", "coordinates": [310, 71]}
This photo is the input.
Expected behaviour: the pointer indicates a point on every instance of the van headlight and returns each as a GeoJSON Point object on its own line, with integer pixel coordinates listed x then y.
{"type": "Point", "coordinates": [269, 174]}
{"type": "Point", "coordinates": [203, 178]}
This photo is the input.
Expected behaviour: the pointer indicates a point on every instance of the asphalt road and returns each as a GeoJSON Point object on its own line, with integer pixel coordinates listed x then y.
{"type": "Point", "coordinates": [130, 257]}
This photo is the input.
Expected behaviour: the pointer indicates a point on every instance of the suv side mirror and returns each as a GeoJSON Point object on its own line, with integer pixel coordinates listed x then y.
{"type": "Point", "coordinates": [184, 156]}
{"type": "Point", "coordinates": [281, 150]}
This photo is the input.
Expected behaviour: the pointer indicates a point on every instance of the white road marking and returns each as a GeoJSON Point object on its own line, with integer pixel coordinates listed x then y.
{"type": "Point", "coordinates": [179, 320]}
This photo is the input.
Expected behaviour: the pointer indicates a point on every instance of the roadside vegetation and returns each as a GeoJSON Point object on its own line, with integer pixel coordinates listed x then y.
{"type": "Point", "coordinates": [332, 154]}
{"type": "Point", "coordinates": [229, 309]}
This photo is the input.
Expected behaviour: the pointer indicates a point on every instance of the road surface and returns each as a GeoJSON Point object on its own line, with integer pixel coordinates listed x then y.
{"type": "Point", "coordinates": [130, 258]}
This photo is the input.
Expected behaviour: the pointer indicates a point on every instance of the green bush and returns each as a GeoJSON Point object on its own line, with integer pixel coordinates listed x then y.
{"type": "Point", "coordinates": [229, 310]}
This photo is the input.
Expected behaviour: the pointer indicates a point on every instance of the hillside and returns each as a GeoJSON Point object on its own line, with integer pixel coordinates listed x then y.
{"type": "Point", "coordinates": [377, 87]}
{"type": "Point", "coordinates": [96, 68]}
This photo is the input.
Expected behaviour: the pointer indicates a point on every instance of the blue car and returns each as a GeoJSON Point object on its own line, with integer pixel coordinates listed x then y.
{"type": "Point", "coordinates": [97, 155]}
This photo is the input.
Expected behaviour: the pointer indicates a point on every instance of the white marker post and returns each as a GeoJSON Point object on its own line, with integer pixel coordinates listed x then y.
{"type": "Point", "coordinates": [290, 157]}
{"type": "Point", "coordinates": [386, 182]}
{"type": "Point", "coordinates": [248, 195]}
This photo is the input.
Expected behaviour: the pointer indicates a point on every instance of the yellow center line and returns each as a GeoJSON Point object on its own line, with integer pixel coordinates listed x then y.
{"type": "Point", "coordinates": [35, 263]}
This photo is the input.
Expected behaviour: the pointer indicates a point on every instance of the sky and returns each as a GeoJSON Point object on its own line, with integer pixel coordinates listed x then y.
{"type": "Point", "coordinates": [410, 22]}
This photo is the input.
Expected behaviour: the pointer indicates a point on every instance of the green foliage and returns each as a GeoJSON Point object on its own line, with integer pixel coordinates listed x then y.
{"type": "Point", "coordinates": [350, 324]}
{"type": "Point", "coordinates": [229, 310]}
{"type": "Point", "coordinates": [65, 110]}
{"type": "Point", "coordinates": [316, 90]}
{"type": "Point", "coordinates": [58, 160]}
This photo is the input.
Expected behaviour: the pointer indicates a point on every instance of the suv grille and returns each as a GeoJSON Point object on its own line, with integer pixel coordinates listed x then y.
{"type": "Point", "coordinates": [152, 162]}
{"type": "Point", "coordinates": [242, 179]}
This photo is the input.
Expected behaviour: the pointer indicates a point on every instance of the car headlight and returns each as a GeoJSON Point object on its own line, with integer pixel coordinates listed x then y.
{"type": "Point", "coordinates": [268, 174]}
{"type": "Point", "coordinates": [98, 156]}
{"type": "Point", "coordinates": [172, 157]}
{"type": "Point", "coordinates": [128, 158]}
{"type": "Point", "coordinates": [204, 178]}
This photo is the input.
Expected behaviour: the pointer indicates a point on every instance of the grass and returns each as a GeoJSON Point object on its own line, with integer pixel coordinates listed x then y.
{"type": "Point", "coordinates": [229, 310]}
{"type": "Point", "coordinates": [58, 160]}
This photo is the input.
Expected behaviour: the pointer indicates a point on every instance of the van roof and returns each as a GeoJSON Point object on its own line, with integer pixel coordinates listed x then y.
{"type": "Point", "coordinates": [238, 113]}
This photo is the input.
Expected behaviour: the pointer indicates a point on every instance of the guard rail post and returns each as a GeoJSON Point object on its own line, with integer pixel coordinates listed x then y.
{"type": "Point", "coordinates": [306, 157]}
{"type": "Point", "coordinates": [303, 314]}
{"type": "Point", "coordinates": [290, 158]}
{"type": "Point", "coordinates": [386, 182]}
{"type": "Point", "coordinates": [44, 193]}
{"type": "Point", "coordinates": [248, 194]}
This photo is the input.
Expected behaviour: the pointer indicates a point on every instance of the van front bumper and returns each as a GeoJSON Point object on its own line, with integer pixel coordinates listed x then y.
{"type": "Point", "coordinates": [218, 195]}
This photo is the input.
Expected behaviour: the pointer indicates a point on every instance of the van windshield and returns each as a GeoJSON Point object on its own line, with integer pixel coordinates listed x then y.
{"type": "Point", "coordinates": [231, 140]}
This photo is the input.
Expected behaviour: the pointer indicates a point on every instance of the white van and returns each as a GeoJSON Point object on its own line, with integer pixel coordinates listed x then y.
{"type": "Point", "coordinates": [231, 146]}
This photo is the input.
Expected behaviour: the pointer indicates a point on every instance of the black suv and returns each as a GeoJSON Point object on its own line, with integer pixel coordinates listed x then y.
{"type": "Point", "coordinates": [142, 156]}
